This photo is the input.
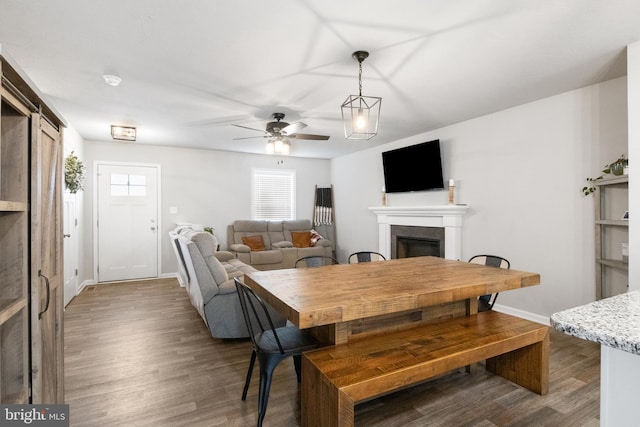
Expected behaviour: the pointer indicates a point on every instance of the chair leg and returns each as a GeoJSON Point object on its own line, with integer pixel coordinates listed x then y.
{"type": "Point", "coordinates": [249, 372]}
{"type": "Point", "coordinates": [268, 363]}
{"type": "Point", "coordinates": [297, 362]}
{"type": "Point", "coordinates": [493, 301]}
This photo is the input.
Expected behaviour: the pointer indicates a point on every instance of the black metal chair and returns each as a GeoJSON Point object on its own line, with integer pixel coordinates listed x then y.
{"type": "Point", "coordinates": [270, 345]}
{"type": "Point", "coordinates": [315, 261]}
{"type": "Point", "coordinates": [365, 256]}
{"type": "Point", "coordinates": [486, 302]}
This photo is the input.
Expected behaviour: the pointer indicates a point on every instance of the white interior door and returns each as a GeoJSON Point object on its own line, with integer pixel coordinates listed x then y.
{"type": "Point", "coordinates": [127, 222]}
{"type": "Point", "coordinates": [70, 226]}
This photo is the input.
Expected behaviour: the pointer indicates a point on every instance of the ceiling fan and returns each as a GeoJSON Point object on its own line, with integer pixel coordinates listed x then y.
{"type": "Point", "coordinates": [283, 130]}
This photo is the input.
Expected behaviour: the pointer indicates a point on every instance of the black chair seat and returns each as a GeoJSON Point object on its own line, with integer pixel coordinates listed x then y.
{"type": "Point", "coordinates": [292, 339]}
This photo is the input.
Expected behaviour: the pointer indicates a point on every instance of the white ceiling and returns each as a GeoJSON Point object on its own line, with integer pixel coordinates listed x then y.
{"type": "Point", "coordinates": [191, 69]}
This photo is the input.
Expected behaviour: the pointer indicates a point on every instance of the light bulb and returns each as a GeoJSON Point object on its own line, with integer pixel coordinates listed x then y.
{"type": "Point", "coordinates": [361, 120]}
{"type": "Point", "coordinates": [278, 146]}
{"type": "Point", "coordinates": [286, 148]}
{"type": "Point", "coordinates": [270, 147]}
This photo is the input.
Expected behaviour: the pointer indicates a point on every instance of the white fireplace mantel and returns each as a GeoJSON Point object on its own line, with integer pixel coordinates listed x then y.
{"type": "Point", "coordinates": [448, 217]}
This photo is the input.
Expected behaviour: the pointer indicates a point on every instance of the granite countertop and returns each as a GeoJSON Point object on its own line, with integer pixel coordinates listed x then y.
{"type": "Point", "coordinates": [614, 322]}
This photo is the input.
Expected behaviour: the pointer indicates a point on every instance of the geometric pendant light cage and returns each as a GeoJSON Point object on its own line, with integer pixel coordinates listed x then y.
{"type": "Point", "coordinates": [360, 114]}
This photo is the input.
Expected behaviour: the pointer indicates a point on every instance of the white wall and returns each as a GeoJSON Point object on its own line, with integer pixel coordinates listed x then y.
{"type": "Point", "coordinates": [208, 187]}
{"type": "Point", "coordinates": [633, 72]}
{"type": "Point", "coordinates": [520, 171]}
{"type": "Point", "coordinates": [74, 142]}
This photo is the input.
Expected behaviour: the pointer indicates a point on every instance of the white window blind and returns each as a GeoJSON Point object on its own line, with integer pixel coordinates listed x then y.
{"type": "Point", "coordinates": [273, 194]}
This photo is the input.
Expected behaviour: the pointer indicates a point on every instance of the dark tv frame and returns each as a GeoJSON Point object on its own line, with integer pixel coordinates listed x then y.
{"type": "Point", "coordinates": [413, 168]}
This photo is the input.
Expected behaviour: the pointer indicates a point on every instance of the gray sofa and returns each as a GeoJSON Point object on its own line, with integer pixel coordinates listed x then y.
{"type": "Point", "coordinates": [207, 276]}
{"type": "Point", "coordinates": [279, 250]}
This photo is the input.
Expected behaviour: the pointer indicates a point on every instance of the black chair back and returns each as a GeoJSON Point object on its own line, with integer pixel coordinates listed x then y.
{"type": "Point", "coordinates": [365, 256]}
{"type": "Point", "coordinates": [315, 261]}
{"type": "Point", "coordinates": [256, 314]}
{"type": "Point", "coordinates": [486, 302]}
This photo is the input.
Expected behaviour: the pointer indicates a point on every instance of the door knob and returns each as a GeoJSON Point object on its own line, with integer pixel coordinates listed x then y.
{"type": "Point", "coordinates": [66, 235]}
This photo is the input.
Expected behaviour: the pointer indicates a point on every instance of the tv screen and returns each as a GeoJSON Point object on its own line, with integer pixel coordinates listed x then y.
{"type": "Point", "coordinates": [414, 168]}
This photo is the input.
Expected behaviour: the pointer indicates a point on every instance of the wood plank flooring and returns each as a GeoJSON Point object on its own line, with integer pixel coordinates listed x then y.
{"type": "Point", "coordinates": [138, 354]}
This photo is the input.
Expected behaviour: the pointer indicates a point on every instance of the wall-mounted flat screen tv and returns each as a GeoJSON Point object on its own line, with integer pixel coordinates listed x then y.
{"type": "Point", "coordinates": [413, 168]}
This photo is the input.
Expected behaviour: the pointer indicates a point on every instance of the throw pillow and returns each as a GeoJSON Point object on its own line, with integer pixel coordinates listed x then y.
{"type": "Point", "coordinates": [301, 239]}
{"type": "Point", "coordinates": [315, 237]}
{"type": "Point", "coordinates": [254, 242]}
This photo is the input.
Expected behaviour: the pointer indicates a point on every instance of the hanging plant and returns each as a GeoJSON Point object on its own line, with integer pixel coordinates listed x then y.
{"type": "Point", "coordinates": [616, 168]}
{"type": "Point", "coordinates": [73, 173]}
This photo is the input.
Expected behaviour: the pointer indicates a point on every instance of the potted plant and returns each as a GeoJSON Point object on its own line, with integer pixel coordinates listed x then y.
{"type": "Point", "coordinates": [616, 168]}
{"type": "Point", "coordinates": [73, 173]}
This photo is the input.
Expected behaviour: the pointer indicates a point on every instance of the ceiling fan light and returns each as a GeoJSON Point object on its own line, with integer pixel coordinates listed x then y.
{"type": "Point", "coordinates": [286, 148]}
{"type": "Point", "coordinates": [270, 147]}
{"type": "Point", "coordinates": [278, 145]}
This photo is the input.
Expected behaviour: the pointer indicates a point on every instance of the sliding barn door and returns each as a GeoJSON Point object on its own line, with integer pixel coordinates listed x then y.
{"type": "Point", "coordinates": [47, 270]}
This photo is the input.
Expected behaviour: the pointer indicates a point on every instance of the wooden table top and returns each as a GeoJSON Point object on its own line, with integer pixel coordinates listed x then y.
{"type": "Point", "coordinates": [311, 297]}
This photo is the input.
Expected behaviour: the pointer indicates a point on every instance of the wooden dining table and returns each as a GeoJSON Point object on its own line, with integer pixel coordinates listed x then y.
{"type": "Point", "coordinates": [346, 302]}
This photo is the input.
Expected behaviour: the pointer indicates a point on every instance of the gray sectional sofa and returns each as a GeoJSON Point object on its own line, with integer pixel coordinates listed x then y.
{"type": "Point", "coordinates": [207, 275]}
{"type": "Point", "coordinates": [279, 239]}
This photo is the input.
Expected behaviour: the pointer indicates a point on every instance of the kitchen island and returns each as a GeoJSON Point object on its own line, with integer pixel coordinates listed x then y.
{"type": "Point", "coordinates": [615, 324]}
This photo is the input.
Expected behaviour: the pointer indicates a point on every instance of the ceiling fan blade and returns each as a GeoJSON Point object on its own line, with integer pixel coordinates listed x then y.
{"type": "Point", "coordinates": [247, 127]}
{"type": "Point", "coordinates": [251, 137]}
{"type": "Point", "coordinates": [309, 136]}
{"type": "Point", "coordinates": [293, 128]}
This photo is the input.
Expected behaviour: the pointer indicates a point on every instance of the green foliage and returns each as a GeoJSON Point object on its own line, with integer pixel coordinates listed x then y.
{"type": "Point", "coordinates": [616, 168]}
{"type": "Point", "coordinates": [73, 173]}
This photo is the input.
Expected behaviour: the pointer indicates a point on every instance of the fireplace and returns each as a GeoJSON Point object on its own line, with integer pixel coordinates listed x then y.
{"type": "Point", "coordinates": [412, 241]}
{"type": "Point", "coordinates": [447, 219]}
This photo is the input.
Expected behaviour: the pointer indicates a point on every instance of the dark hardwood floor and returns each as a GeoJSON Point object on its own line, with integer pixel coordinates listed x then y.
{"type": "Point", "coordinates": [139, 354]}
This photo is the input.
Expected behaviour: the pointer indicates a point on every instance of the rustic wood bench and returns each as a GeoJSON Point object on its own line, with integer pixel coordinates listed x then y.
{"type": "Point", "coordinates": [336, 378]}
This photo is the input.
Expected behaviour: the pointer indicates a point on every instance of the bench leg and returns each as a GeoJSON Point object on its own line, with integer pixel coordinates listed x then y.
{"type": "Point", "coordinates": [321, 404]}
{"type": "Point", "coordinates": [527, 367]}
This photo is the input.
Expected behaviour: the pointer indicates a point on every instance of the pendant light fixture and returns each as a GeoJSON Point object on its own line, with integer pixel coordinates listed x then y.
{"type": "Point", "coordinates": [360, 114]}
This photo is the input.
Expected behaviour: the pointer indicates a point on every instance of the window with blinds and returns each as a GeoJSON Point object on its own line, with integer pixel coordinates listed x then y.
{"type": "Point", "coordinates": [273, 194]}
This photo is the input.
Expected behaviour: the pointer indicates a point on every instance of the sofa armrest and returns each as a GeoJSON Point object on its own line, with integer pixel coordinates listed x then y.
{"type": "Point", "coordinates": [239, 247]}
{"type": "Point", "coordinates": [224, 255]}
{"type": "Point", "coordinates": [323, 242]}
{"type": "Point", "coordinates": [228, 287]}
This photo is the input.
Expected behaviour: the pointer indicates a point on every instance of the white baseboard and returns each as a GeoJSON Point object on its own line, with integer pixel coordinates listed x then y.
{"type": "Point", "coordinates": [171, 276]}
{"type": "Point", "coordinates": [84, 285]}
{"type": "Point", "coordinates": [523, 314]}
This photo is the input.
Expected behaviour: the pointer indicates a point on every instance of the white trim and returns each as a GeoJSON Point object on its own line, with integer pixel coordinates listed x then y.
{"type": "Point", "coordinates": [522, 314]}
{"type": "Point", "coordinates": [83, 285]}
{"type": "Point", "coordinates": [448, 217]}
{"type": "Point", "coordinates": [174, 275]}
{"type": "Point", "coordinates": [158, 168]}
